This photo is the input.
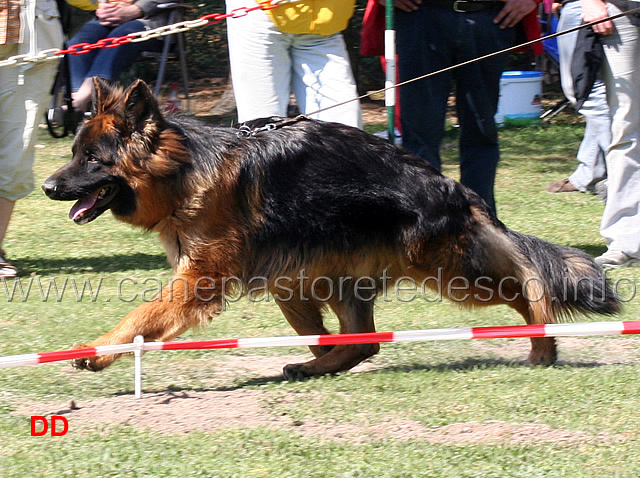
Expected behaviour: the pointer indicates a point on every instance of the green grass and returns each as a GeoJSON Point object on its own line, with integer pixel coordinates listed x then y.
{"type": "Point", "coordinates": [593, 391]}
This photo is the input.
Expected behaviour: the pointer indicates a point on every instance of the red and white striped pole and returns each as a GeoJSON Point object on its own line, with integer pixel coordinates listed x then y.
{"type": "Point", "coordinates": [511, 331]}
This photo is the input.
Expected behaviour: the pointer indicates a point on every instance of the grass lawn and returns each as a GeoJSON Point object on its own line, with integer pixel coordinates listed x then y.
{"type": "Point", "coordinates": [446, 409]}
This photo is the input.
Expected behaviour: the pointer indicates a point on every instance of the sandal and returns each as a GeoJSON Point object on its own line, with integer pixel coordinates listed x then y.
{"type": "Point", "coordinates": [6, 269]}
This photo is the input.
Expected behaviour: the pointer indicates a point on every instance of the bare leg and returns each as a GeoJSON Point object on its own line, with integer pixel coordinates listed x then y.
{"type": "Point", "coordinates": [82, 97]}
{"type": "Point", "coordinates": [6, 210]}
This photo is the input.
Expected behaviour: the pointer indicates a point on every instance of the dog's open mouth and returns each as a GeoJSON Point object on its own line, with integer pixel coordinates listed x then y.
{"type": "Point", "coordinates": [91, 206]}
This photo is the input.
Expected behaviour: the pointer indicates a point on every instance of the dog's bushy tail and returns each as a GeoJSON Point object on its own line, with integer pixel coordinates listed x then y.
{"type": "Point", "coordinates": [563, 281]}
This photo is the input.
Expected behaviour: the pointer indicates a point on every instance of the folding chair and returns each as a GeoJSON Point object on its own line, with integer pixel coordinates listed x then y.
{"type": "Point", "coordinates": [172, 49]}
{"type": "Point", "coordinates": [61, 123]}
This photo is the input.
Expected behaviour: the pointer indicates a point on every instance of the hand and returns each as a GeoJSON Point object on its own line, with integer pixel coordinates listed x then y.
{"type": "Point", "coordinates": [114, 14]}
{"type": "Point", "coordinates": [593, 10]}
{"type": "Point", "coordinates": [404, 5]}
{"type": "Point", "coordinates": [513, 11]}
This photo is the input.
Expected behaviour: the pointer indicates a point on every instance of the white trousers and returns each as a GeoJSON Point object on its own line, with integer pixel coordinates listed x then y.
{"type": "Point", "coordinates": [24, 92]}
{"type": "Point", "coordinates": [267, 65]}
{"type": "Point", "coordinates": [620, 224]}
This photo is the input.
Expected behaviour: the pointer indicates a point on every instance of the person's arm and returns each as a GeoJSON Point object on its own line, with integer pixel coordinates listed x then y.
{"type": "Point", "coordinates": [514, 11]}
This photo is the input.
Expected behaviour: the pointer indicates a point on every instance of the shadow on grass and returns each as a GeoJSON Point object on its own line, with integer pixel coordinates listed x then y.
{"type": "Point", "coordinates": [592, 250]}
{"type": "Point", "coordinates": [470, 364]}
{"type": "Point", "coordinates": [542, 164]}
{"type": "Point", "coordinates": [74, 265]}
{"type": "Point", "coordinates": [126, 262]}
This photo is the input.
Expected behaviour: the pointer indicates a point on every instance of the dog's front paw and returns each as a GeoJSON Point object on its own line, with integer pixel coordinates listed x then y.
{"type": "Point", "coordinates": [93, 364]}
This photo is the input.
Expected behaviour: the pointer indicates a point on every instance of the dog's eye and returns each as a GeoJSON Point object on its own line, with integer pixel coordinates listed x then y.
{"type": "Point", "coordinates": [92, 159]}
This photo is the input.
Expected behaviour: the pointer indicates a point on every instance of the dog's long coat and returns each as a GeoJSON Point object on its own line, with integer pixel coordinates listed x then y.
{"type": "Point", "coordinates": [307, 200]}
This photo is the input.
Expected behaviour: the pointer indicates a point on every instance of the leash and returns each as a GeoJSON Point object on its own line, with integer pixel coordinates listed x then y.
{"type": "Point", "coordinates": [480, 58]}
{"type": "Point", "coordinates": [246, 131]}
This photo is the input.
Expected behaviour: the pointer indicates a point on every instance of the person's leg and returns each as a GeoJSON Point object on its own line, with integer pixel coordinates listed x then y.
{"type": "Point", "coordinates": [597, 138]}
{"type": "Point", "coordinates": [597, 135]}
{"type": "Point", "coordinates": [620, 225]}
{"type": "Point", "coordinates": [6, 210]}
{"type": "Point", "coordinates": [424, 46]}
{"type": "Point", "coordinates": [79, 65]}
{"type": "Point", "coordinates": [109, 63]}
{"type": "Point", "coordinates": [570, 17]}
{"type": "Point", "coordinates": [260, 64]}
{"type": "Point", "coordinates": [11, 127]}
{"type": "Point", "coordinates": [22, 103]}
{"type": "Point", "coordinates": [477, 93]}
{"type": "Point", "coordinates": [322, 77]}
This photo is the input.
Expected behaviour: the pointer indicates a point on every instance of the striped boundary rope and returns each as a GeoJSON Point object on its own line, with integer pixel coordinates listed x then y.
{"type": "Point", "coordinates": [144, 35]}
{"type": "Point", "coordinates": [513, 331]}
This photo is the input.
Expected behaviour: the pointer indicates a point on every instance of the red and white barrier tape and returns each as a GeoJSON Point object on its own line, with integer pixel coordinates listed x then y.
{"type": "Point", "coordinates": [144, 35]}
{"type": "Point", "coordinates": [514, 331]}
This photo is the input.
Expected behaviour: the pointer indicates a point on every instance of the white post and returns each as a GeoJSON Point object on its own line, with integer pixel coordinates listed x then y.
{"type": "Point", "coordinates": [137, 358]}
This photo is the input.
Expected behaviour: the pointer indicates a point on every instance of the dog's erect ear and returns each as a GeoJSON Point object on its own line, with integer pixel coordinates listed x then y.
{"type": "Point", "coordinates": [102, 89]}
{"type": "Point", "coordinates": [140, 107]}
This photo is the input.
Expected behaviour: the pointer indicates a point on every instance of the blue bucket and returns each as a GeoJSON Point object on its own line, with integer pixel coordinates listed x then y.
{"type": "Point", "coordinates": [520, 98]}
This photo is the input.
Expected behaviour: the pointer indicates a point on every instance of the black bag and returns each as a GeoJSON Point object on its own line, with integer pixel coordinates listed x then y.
{"type": "Point", "coordinates": [585, 65]}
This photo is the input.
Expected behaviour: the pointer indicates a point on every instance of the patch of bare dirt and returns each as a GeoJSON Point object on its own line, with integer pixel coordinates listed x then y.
{"type": "Point", "coordinates": [184, 412]}
{"type": "Point", "coordinates": [210, 411]}
{"type": "Point", "coordinates": [573, 350]}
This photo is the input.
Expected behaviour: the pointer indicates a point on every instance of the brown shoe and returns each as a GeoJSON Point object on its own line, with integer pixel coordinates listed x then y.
{"type": "Point", "coordinates": [563, 186]}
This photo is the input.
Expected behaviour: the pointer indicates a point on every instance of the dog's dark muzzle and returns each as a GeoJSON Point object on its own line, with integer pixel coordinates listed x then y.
{"type": "Point", "coordinates": [51, 189]}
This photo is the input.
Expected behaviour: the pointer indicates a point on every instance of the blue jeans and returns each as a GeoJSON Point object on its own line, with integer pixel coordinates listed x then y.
{"type": "Point", "coordinates": [435, 37]}
{"type": "Point", "coordinates": [106, 63]}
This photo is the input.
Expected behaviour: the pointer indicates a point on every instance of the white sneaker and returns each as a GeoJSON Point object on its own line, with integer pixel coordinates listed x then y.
{"type": "Point", "coordinates": [613, 259]}
{"type": "Point", "coordinates": [6, 269]}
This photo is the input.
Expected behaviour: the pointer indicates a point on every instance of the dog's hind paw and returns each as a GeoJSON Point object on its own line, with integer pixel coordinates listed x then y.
{"type": "Point", "coordinates": [545, 353]}
{"type": "Point", "coordinates": [295, 372]}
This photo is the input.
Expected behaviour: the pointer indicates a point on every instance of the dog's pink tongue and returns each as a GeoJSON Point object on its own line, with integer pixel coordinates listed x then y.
{"type": "Point", "coordinates": [83, 205]}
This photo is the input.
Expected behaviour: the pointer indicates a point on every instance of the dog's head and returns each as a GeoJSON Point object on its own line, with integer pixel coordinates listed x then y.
{"type": "Point", "coordinates": [122, 155]}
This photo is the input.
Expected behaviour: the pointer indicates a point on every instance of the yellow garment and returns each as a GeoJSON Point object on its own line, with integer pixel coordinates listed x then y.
{"type": "Point", "coordinates": [320, 17]}
{"type": "Point", "coordinates": [88, 5]}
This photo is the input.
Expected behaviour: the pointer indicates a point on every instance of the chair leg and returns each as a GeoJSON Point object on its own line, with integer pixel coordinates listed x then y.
{"type": "Point", "coordinates": [163, 58]}
{"type": "Point", "coordinates": [183, 67]}
{"type": "Point", "coordinates": [162, 67]}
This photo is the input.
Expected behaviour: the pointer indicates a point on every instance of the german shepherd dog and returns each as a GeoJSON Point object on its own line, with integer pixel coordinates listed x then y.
{"type": "Point", "coordinates": [304, 203]}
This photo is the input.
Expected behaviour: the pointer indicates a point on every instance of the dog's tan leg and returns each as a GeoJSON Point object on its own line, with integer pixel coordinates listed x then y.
{"type": "Point", "coordinates": [306, 319]}
{"type": "Point", "coordinates": [543, 349]}
{"type": "Point", "coordinates": [179, 309]}
{"type": "Point", "coordinates": [355, 316]}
